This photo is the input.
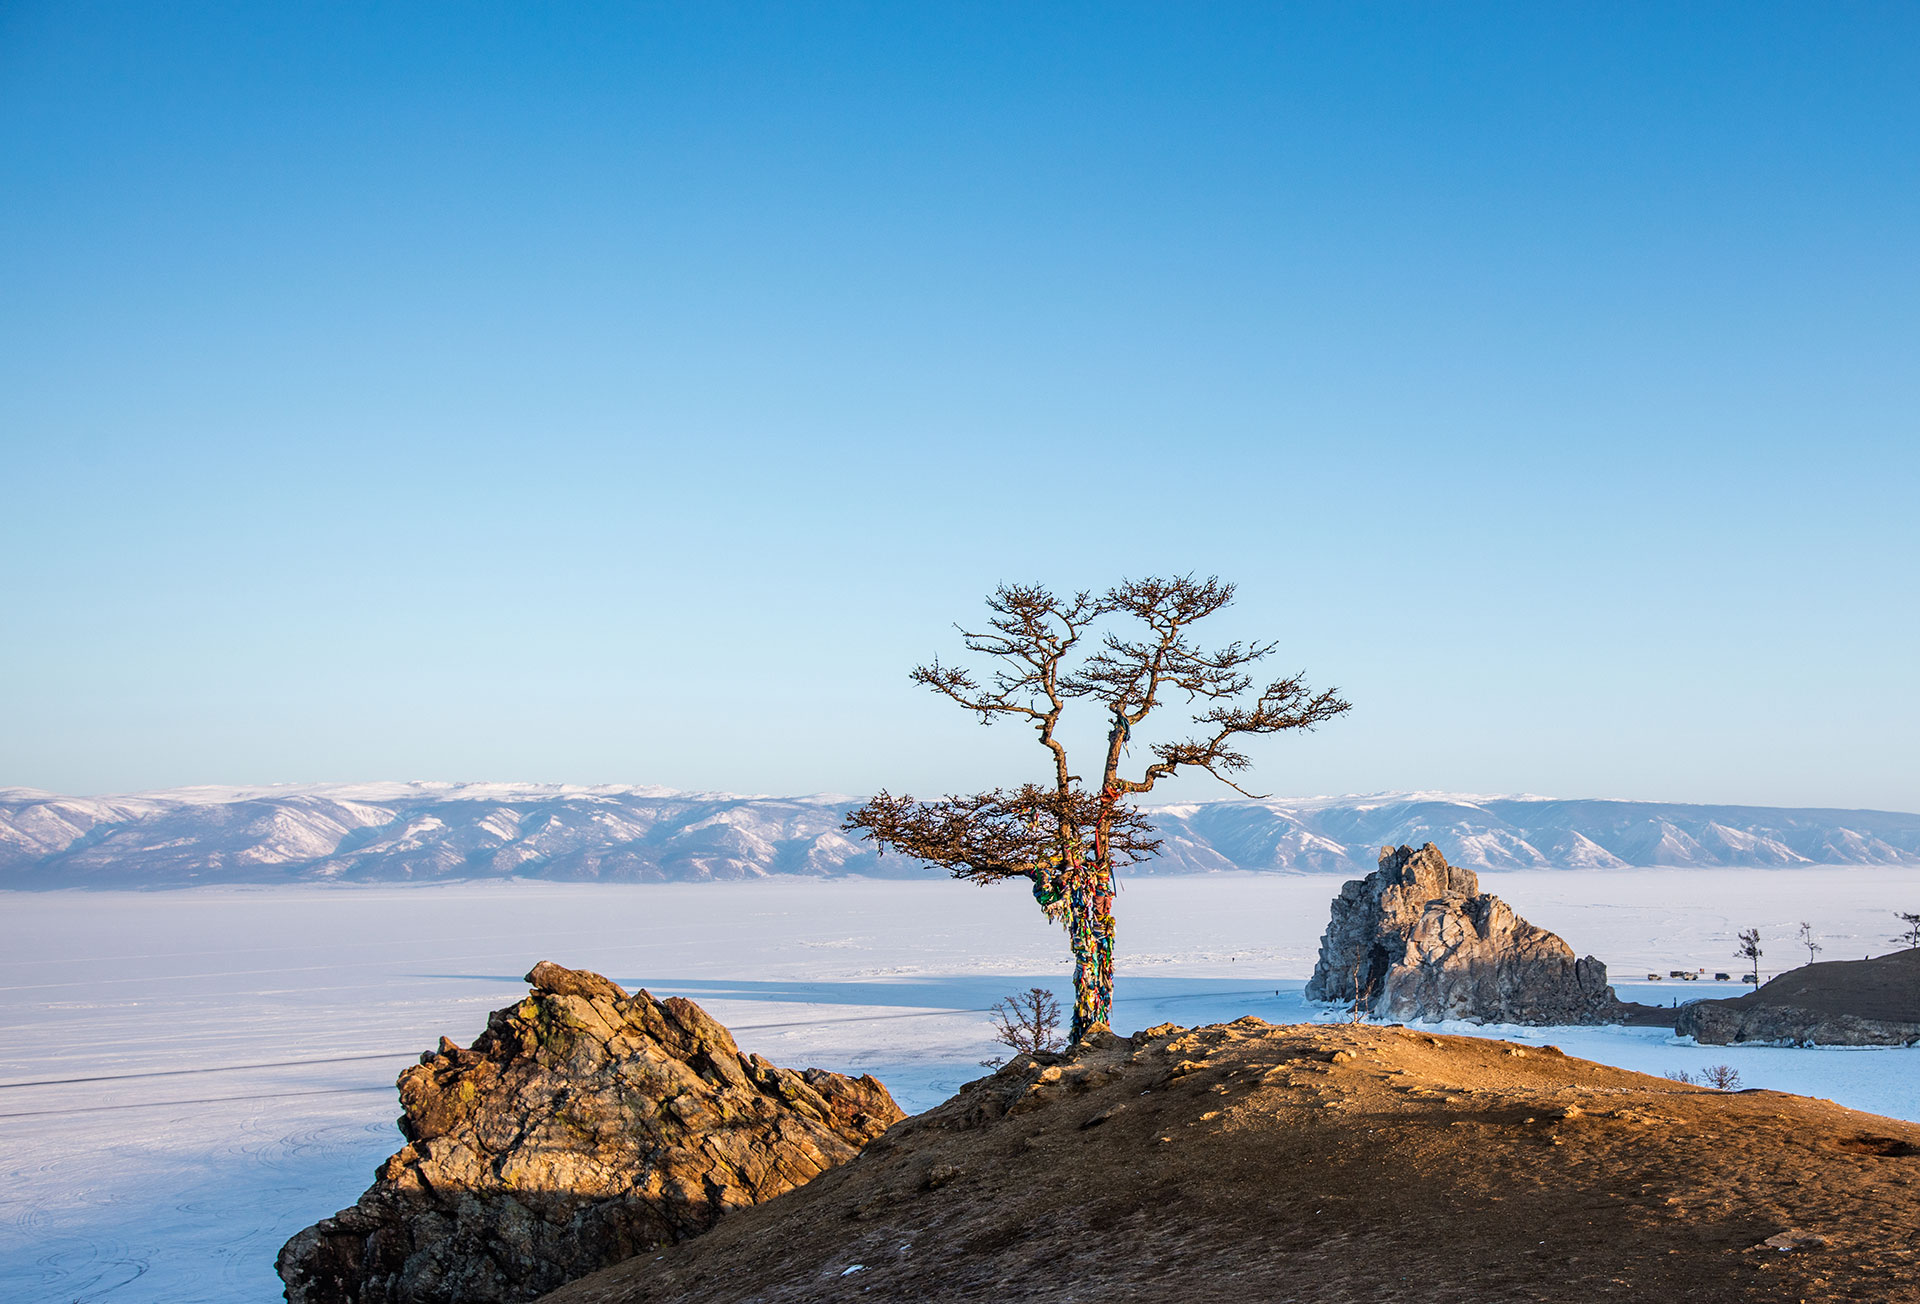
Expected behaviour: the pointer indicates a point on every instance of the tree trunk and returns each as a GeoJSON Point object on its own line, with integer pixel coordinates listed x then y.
{"type": "Point", "coordinates": [1090, 926]}
{"type": "Point", "coordinates": [1078, 892]}
{"type": "Point", "coordinates": [1081, 897]}
{"type": "Point", "coordinates": [1090, 929]}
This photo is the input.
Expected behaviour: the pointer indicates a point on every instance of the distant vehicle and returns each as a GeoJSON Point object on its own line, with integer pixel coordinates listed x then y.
{"type": "Point", "coordinates": [1723, 977]}
{"type": "Point", "coordinates": [1753, 978]}
{"type": "Point", "coordinates": [1653, 977]}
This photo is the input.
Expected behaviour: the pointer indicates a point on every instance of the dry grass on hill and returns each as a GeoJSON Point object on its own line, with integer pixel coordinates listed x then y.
{"type": "Point", "coordinates": [1887, 987]}
{"type": "Point", "coordinates": [1260, 1164]}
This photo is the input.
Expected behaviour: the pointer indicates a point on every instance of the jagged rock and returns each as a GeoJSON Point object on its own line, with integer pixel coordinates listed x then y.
{"type": "Point", "coordinates": [582, 1127]}
{"type": "Point", "coordinates": [1835, 1003]}
{"type": "Point", "coordinates": [1418, 939]}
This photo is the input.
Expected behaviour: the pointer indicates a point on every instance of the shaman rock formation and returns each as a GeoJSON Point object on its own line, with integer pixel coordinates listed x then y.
{"type": "Point", "coordinates": [582, 1127]}
{"type": "Point", "coordinates": [1418, 939]}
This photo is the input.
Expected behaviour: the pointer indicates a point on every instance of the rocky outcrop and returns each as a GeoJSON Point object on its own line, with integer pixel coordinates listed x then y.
{"type": "Point", "coordinates": [583, 1126]}
{"type": "Point", "coordinates": [1722, 1023]}
{"type": "Point", "coordinates": [1837, 1003]}
{"type": "Point", "coordinates": [1418, 939]}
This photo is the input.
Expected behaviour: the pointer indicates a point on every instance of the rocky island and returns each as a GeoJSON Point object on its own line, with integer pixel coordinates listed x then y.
{"type": "Point", "coordinates": [1418, 940]}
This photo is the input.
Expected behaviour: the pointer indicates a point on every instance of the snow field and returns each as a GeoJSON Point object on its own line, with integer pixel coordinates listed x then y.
{"type": "Point", "coordinates": [187, 1078]}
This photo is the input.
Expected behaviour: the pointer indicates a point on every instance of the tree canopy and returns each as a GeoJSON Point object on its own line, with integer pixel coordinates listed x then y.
{"type": "Point", "coordinates": [1126, 652]}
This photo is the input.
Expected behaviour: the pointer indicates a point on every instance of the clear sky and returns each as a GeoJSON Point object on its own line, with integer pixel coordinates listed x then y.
{"type": "Point", "coordinates": [632, 394]}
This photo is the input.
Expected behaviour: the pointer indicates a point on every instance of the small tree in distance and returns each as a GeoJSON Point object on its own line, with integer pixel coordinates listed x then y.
{"type": "Point", "coordinates": [1362, 997]}
{"type": "Point", "coordinates": [1027, 1024]}
{"type": "Point", "coordinates": [1806, 940]}
{"type": "Point", "coordinates": [1912, 936]}
{"type": "Point", "coordinates": [1750, 951]}
{"type": "Point", "coordinates": [1721, 1077]}
{"type": "Point", "coordinates": [1066, 836]}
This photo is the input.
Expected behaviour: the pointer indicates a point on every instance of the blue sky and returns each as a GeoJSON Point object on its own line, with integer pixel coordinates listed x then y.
{"type": "Point", "coordinates": [632, 394]}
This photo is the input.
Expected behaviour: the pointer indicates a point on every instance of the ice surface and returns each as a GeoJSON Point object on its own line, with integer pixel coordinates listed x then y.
{"type": "Point", "coordinates": [186, 1078]}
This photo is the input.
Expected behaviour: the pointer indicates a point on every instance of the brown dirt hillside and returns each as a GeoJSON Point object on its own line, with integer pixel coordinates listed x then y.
{"type": "Point", "coordinates": [1260, 1164]}
{"type": "Point", "coordinates": [1887, 987]}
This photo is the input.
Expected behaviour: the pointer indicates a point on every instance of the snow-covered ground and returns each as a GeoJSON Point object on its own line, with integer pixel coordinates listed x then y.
{"type": "Point", "coordinates": [186, 1078]}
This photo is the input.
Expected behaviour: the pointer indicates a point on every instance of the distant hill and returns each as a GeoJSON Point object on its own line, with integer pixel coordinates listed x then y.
{"type": "Point", "coordinates": [416, 832]}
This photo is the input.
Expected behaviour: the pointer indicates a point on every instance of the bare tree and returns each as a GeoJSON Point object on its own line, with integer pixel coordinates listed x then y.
{"type": "Point", "coordinates": [1067, 836]}
{"type": "Point", "coordinates": [1027, 1023]}
{"type": "Point", "coordinates": [1721, 1077]}
{"type": "Point", "coordinates": [1806, 940]}
{"type": "Point", "coordinates": [1911, 937]}
{"type": "Point", "coordinates": [1362, 997]}
{"type": "Point", "coordinates": [1750, 951]}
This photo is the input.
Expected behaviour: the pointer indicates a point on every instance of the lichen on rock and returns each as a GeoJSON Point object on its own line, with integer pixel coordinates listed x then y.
{"type": "Point", "coordinates": [582, 1127]}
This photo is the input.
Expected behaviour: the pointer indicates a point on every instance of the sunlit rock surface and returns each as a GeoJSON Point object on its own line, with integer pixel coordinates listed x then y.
{"type": "Point", "coordinates": [1418, 939]}
{"type": "Point", "coordinates": [582, 1127]}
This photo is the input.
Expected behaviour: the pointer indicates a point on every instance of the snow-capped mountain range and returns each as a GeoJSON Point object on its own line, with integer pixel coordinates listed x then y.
{"type": "Point", "coordinates": [414, 832]}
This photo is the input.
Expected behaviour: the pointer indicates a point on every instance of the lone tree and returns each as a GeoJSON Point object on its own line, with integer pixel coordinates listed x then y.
{"type": "Point", "coordinates": [1911, 937]}
{"type": "Point", "coordinates": [1067, 836]}
{"type": "Point", "coordinates": [1750, 951]}
{"type": "Point", "coordinates": [1806, 940]}
{"type": "Point", "coordinates": [1027, 1023]}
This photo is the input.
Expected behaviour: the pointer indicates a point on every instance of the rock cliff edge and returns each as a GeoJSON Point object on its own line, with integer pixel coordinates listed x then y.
{"type": "Point", "coordinates": [582, 1127]}
{"type": "Point", "coordinates": [1836, 1003]}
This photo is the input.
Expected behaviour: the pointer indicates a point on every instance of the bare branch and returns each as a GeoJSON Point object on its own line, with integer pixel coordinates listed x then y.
{"type": "Point", "coordinates": [1127, 674]}
{"type": "Point", "coordinates": [1030, 633]}
{"type": "Point", "coordinates": [988, 836]}
{"type": "Point", "coordinates": [1286, 704]}
{"type": "Point", "coordinates": [959, 685]}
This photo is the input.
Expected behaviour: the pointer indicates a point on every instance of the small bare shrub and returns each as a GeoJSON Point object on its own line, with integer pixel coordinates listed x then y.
{"type": "Point", "coordinates": [1027, 1023]}
{"type": "Point", "coordinates": [1721, 1077]}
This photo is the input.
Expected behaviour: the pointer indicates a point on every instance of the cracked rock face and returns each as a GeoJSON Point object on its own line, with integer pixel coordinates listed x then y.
{"type": "Point", "coordinates": [1417, 939]}
{"type": "Point", "coordinates": [582, 1127]}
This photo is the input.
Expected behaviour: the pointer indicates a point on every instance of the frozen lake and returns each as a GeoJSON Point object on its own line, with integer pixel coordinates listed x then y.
{"type": "Point", "coordinates": [187, 1078]}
